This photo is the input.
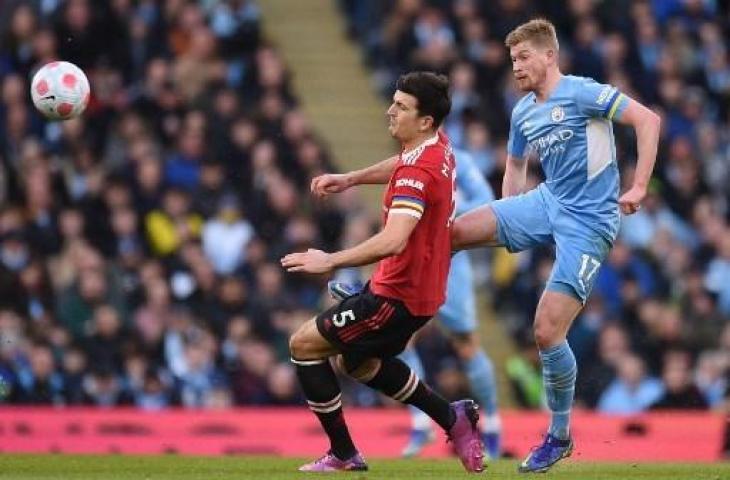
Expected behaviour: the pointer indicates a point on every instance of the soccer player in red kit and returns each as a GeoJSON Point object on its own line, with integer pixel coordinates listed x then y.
{"type": "Point", "coordinates": [366, 331]}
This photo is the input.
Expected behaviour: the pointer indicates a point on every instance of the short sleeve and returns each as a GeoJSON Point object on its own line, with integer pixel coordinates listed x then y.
{"type": "Point", "coordinates": [410, 191]}
{"type": "Point", "coordinates": [601, 100]}
{"type": "Point", "coordinates": [517, 142]}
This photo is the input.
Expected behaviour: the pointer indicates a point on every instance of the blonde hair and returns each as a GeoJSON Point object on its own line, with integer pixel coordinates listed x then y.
{"type": "Point", "coordinates": [539, 31]}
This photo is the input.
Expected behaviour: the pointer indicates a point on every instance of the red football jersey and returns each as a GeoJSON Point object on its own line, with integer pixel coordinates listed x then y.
{"type": "Point", "coordinates": [422, 185]}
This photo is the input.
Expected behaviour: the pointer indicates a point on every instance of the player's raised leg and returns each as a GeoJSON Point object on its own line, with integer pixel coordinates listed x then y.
{"type": "Point", "coordinates": [476, 228]}
{"type": "Point", "coordinates": [310, 353]}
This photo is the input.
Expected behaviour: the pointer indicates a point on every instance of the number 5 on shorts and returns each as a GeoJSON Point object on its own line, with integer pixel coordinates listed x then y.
{"type": "Point", "coordinates": [340, 319]}
{"type": "Point", "coordinates": [588, 268]}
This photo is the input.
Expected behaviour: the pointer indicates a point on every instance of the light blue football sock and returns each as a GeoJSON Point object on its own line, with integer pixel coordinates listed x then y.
{"type": "Point", "coordinates": [559, 371]}
{"type": "Point", "coordinates": [480, 372]}
{"type": "Point", "coordinates": [419, 419]}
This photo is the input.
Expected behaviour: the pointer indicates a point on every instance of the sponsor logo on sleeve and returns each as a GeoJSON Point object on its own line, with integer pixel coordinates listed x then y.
{"type": "Point", "coordinates": [409, 182]}
{"type": "Point", "coordinates": [605, 94]}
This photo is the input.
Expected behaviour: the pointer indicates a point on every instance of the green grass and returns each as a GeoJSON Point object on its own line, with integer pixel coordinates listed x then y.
{"type": "Point", "coordinates": [77, 467]}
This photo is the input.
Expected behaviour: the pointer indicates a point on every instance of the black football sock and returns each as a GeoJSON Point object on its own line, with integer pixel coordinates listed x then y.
{"type": "Point", "coordinates": [401, 383]}
{"type": "Point", "coordinates": [324, 398]}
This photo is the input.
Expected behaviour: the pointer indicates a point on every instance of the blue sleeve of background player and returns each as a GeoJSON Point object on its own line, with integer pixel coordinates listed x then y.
{"type": "Point", "coordinates": [474, 191]}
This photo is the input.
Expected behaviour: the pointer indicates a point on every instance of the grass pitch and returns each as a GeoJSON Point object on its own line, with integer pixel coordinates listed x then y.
{"type": "Point", "coordinates": [90, 467]}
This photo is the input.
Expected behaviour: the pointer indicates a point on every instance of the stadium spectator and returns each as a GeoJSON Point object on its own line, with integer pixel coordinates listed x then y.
{"type": "Point", "coordinates": [107, 339]}
{"type": "Point", "coordinates": [102, 388]}
{"type": "Point", "coordinates": [174, 224]}
{"type": "Point", "coordinates": [200, 377]}
{"type": "Point", "coordinates": [613, 345]}
{"type": "Point", "coordinates": [632, 391]}
{"type": "Point", "coordinates": [225, 236]}
{"type": "Point", "coordinates": [39, 382]}
{"type": "Point", "coordinates": [680, 389]}
{"type": "Point", "coordinates": [709, 377]}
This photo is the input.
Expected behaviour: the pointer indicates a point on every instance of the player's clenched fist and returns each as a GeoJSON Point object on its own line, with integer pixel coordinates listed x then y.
{"type": "Point", "coordinates": [630, 201]}
{"type": "Point", "coordinates": [328, 183]}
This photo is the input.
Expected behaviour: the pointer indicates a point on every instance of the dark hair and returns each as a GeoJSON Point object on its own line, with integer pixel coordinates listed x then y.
{"type": "Point", "coordinates": [432, 92]}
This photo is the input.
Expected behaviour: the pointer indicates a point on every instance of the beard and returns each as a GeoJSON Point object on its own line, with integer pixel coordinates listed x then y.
{"type": "Point", "coordinates": [524, 84]}
{"type": "Point", "coordinates": [531, 81]}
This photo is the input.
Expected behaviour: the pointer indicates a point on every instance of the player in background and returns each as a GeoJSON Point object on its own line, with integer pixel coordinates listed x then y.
{"type": "Point", "coordinates": [566, 121]}
{"type": "Point", "coordinates": [365, 332]}
{"type": "Point", "coordinates": [459, 317]}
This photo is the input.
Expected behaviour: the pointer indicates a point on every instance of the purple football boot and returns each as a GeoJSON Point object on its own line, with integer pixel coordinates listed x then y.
{"type": "Point", "coordinates": [465, 436]}
{"type": "Point", "coordinates": [330, 463]}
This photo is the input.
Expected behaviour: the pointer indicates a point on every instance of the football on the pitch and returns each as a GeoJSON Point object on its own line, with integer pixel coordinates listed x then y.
{"type": "Point", "coordinates": [60, 90]}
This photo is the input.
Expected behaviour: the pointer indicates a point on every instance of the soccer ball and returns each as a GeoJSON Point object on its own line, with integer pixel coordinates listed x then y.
{"type": "Point", "coordinates": [60, 90]}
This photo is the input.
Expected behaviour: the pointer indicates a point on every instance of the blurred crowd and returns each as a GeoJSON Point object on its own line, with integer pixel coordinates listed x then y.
{"type": "Point", "coordinates": [140, 243]}
{"type": "Point", "coordinates": [655, 333]}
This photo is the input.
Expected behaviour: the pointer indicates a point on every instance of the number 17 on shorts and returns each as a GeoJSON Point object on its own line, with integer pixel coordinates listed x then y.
{"type": "Point", "coordinates": [588, 268]}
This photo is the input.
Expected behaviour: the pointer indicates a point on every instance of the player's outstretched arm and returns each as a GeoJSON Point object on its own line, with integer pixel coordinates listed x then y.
{"type": "Point", "coordinates": [389, 241]}
{"type": "Point", "coordinates": [647, 125]}
{"type": "Point", "coordinates": [329, 183]}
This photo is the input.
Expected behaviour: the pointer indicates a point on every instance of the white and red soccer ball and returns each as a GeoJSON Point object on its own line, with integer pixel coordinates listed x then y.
{"type": "Point", "coordinates": [60, 90]}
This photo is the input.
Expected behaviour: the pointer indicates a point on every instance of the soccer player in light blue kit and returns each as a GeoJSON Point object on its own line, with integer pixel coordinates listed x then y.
{"type": "Point", "coordinates": [565, 121]}
{"type": "Point", "coordinates": [458, 316]}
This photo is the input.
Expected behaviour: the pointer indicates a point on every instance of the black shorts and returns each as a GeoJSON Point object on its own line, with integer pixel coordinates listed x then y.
{"type": "Point", "coordinates": [369, 326]}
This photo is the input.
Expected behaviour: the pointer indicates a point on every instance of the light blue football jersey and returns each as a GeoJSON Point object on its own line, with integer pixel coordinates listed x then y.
{"type": "Point", "coordinates": [572, 135]}
{"type": "Point", "coordinates": [458, 313]}
{"type": "Point", "coordinates": [472, 190]}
